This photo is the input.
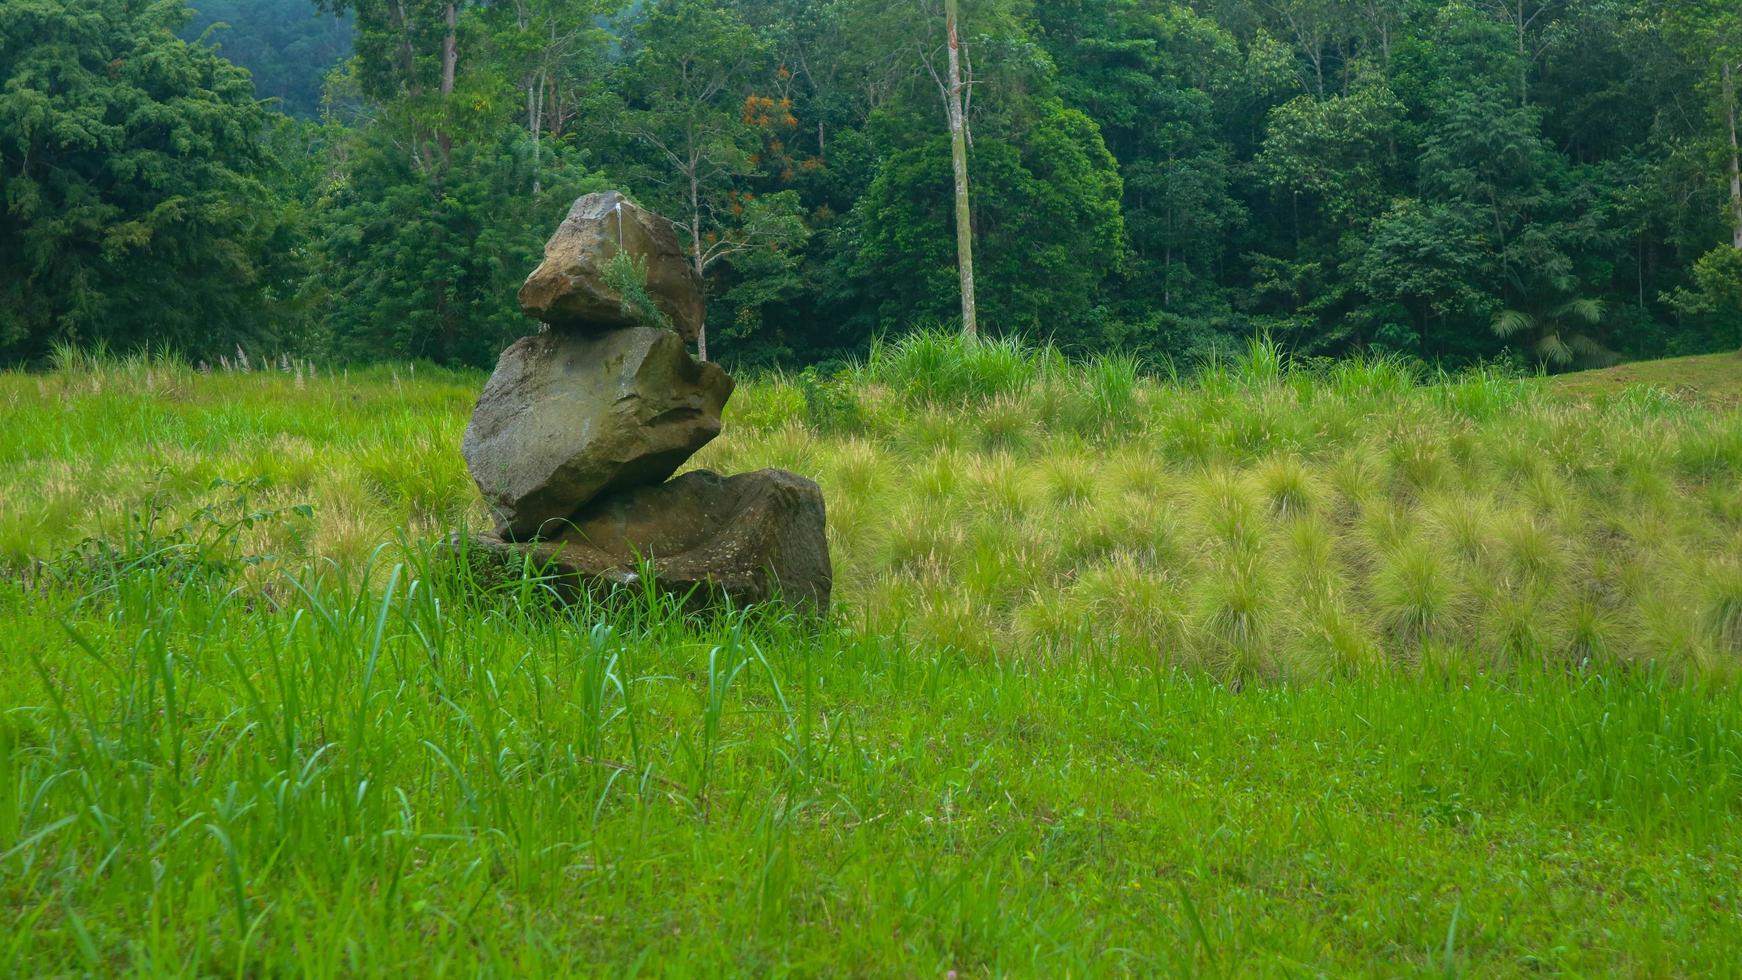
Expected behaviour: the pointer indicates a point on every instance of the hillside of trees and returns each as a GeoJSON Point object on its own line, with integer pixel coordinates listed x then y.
{"type": "Point", "coordinates": [1549, 182]}
{"type": "Point", "coordinates": [288, 46]}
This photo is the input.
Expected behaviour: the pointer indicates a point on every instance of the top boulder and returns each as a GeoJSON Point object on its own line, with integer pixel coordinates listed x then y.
{"type": "Point", "coordinates": [568, 289]}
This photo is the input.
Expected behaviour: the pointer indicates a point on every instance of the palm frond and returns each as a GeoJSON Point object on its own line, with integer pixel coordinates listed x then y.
{"type": "Point", "coordinates": [1508, 322]}
{"type": "Point", "coordinates": [1584, 310]}
{"type": "Point", "coordinates": [1592, 352]}
{"type": "Point", "coordinates": [1554, 351]}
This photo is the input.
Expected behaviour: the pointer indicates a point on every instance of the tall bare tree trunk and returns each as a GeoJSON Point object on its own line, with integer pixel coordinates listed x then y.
{"type": "Point", "coordinates": [450, 61]}
{"type": "Point", "coordinates": [450, 49]}
{"type": "Point", "coordinates": [1735, 158]}
{"type": "Point", "coordinates": [534, 117]}
{"type": "Point", "coordinates": [534, 97]}
{"type": "Point", "coordinates": [408, 67]}
{"type": "Point", "coordinates": [959, 158]}
{"type": "Point", "coordinates": [696, 257]}
{"type": "Point", "coordinates": [1523, 57]}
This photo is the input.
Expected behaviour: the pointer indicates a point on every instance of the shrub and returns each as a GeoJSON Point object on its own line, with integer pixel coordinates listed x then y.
{"type": "Point", "coordinates": [831, 403]}
{"type": "Point", "coordinates": [627, 275]}
{"type": "Point", "coordinates": [937, 365]}
{"type": "Point", "coordinates": [207, 545]}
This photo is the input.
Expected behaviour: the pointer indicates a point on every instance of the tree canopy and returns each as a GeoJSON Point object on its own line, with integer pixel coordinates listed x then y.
{"type": "Point", "coordinates": [131, 166]}
{"type": "Point", "coordinates": [1554, 183]}
{"type": "Point", "coordinates": [288, 46]}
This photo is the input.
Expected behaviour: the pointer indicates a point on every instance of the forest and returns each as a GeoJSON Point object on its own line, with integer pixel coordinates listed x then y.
{"type": "Point", "coordinates": [1547, 183]}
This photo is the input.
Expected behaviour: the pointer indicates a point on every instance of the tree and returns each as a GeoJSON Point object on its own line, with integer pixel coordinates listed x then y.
{"type": "Point", "coordinates": [1531, 25]}
{"type": "Point", "coordinates": [953, 100]}
{"type": "Point", "coordinates": [1156, 79]}
{"type": "Point", "coordinates": [440, 198]}
{"type": "Point", "coordinates": [1156, 175]}
{"type": "Point", "coordinates": [1421, 264]}
{"type": "Point", "coordinates": [1709, 32]}
{"type": "Point", "coordinates": [131, 168]}
{"type": "Point", "coordinates": [287, 45]}
{"type": "Point", "coordinates": [408, 62]}
{"type": "Point", "coordinates": [1331, 153]}
{"type": "Point", "coordinates": [947, 59]}
{"type": "Point", "coordinates": [556, 51]}
{"type": "Point", "coordinates": [1528, 230]}
{"type": "Point", "coordinates": [1049, 228]}
{"type": "Point", "coordinates": [690, 85]}
{"type": "Point", "coordinates": [407, 274]}
{"type": "Point", "coordinates": [1713, 303]}
{"type": "Point", "coordinates": [1313, 25]}
{"type": "Point", "coordinates": [1557, 333]}
{"type": "Point", "coordinates": [1728, 72]}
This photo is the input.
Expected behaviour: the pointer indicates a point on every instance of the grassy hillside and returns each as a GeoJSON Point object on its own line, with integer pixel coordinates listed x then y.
{"type": "Point", "coordinates": [1267, 672]}
{"type": "Point", "coordinates": [1254, 521]}
{"type": "Point", "coordinates": [1712, 378]}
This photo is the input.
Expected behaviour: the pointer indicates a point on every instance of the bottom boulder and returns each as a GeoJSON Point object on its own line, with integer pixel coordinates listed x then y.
{"type": "Point", "coordinates": [744, 539]}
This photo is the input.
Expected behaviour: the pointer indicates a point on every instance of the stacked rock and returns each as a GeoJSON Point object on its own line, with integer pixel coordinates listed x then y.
{"type": "Point", "coordinates": [579, 429]}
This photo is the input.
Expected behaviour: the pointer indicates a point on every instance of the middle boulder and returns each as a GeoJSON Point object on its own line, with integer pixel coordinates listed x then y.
{"type": "Point", "coordinates": [567, 417]}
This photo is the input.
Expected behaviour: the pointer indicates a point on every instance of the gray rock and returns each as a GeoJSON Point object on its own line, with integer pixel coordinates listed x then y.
{"type": "Point", "coordinates": [706, 538]}
{"type": "Point", "coordinates": [567, 417]}
{"type": "Point", "coordinates": [568, 289]}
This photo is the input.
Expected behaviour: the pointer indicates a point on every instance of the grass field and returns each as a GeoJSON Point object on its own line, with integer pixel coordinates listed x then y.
{"type": "Point", "coordinates": [1265, 671]}
{"type": "Point", "coordinates": [1714, 379]}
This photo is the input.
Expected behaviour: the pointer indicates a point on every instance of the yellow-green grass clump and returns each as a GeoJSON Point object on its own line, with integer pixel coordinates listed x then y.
{"type": "Point", "coordinates": [1256, 519]}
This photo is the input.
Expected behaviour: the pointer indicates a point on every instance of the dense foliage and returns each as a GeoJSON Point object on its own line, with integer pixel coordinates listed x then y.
{"type": "Point", "coordinates": [1552, 181]}
{"type": "Point", "coordinates": [285, 44]}
{"type": "Point", "coordinates": [130, 168]}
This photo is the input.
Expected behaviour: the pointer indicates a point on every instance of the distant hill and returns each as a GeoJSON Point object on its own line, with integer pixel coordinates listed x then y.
{"type": "Point", "coordinates": [288, 45]}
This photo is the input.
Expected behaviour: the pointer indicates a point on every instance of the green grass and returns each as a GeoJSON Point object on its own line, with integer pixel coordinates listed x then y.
{"type": "Point", "coordinates": [1265, 671]}
{"type": "Point", "coordinates": [1253, 521]}
{"type": "Point", "coordinates": [1713, 378]}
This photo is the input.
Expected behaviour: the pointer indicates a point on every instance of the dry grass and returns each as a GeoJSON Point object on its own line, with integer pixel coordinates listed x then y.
{"type": "Point", "coordinates": [1256, 520]}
